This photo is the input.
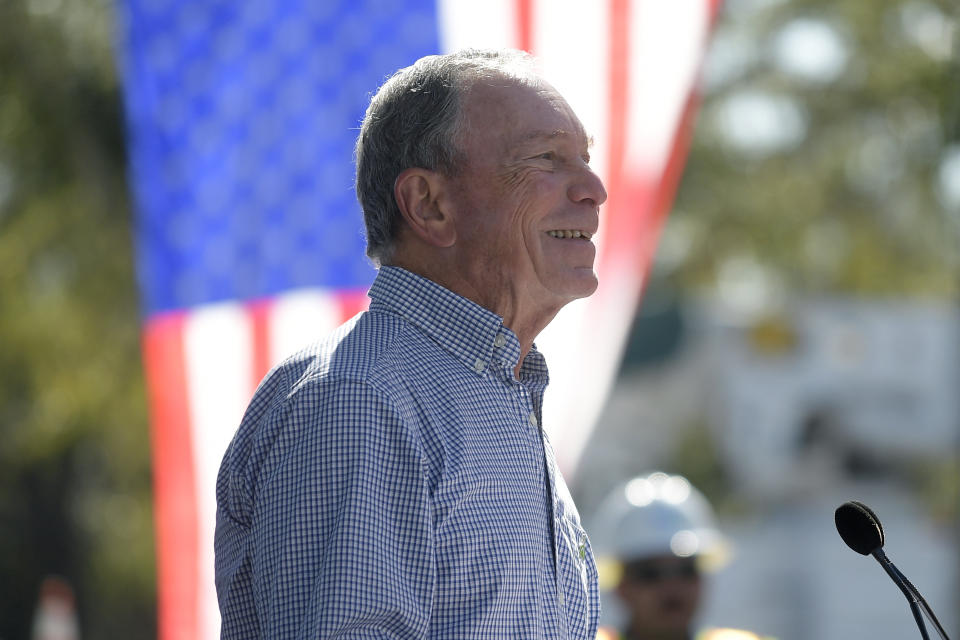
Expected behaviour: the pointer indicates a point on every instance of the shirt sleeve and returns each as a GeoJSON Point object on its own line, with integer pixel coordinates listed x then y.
{"type": "Point", "coordinates": [340, 533]}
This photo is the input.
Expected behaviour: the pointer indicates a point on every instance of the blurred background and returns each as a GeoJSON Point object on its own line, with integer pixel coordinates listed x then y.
{"type": "Point", "coordinates": [797, 345]}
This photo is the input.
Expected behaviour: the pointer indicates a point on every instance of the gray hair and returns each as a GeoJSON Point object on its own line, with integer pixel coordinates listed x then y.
{"type": "Point", "coordinates": [414, 121]}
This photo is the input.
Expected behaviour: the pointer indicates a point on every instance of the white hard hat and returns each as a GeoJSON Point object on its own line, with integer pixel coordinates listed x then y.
{"type": "Point", "coordinates": [657, 514]}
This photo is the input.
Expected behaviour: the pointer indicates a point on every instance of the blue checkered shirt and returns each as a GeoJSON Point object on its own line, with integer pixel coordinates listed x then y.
{"type": "Point", "coordinates": [394, 482]}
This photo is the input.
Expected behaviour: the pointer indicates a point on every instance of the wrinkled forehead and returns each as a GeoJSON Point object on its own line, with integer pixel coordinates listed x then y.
{"type": "Point", "coordinates": [519, 109]}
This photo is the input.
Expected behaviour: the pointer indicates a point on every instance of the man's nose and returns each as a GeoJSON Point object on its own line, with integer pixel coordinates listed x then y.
{"type": "Point", "coordinates": [588, 187]}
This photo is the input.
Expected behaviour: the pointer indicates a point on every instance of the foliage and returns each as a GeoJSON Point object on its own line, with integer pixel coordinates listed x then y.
{"type": "Point", "coordinates": [74, 465]}
{"type": "Point", "coordinates": [850, 206]}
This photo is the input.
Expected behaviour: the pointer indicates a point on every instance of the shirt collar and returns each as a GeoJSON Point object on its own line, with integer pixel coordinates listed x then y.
{"type": "Point", "coordinates": [474, 335]}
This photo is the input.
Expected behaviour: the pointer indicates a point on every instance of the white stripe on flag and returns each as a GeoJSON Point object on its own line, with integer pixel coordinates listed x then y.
{"type": "Point", "coordinates": [300, 317]}
{"type": "Point", "coordinates": [491, 24]}
{"type": "Point", "coordinates": [666, 48]}
{"type": "Point", "coordinates": [218, 353]}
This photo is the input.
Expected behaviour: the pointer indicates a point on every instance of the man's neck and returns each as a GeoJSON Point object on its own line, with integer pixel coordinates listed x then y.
{"type": "Point", "coordinates": [525, 320]}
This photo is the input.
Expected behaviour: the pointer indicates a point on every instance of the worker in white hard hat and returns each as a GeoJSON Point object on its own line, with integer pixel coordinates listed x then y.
{"type": "Point", "coordinates": [655, 536]}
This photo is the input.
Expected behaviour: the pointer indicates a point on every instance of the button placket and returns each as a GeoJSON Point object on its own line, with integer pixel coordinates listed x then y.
{"type": "Point", "coordinates": [527, 406]}
{"type": "Point", "coordinates": [555, 511]}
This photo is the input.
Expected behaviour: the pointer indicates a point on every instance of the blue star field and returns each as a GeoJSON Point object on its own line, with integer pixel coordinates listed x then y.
{"type": "Point", "coordinates": [242, 116]}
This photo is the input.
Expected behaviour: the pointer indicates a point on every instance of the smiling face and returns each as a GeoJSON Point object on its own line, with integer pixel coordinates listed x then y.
{"type": "Point", "coordinates": [526, 203]}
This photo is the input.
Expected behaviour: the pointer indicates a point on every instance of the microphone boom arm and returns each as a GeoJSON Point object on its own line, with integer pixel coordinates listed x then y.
{"type": "Point", "coordinates": [901, 582]}
{"type": "Point", "coordinates": [928, 612]}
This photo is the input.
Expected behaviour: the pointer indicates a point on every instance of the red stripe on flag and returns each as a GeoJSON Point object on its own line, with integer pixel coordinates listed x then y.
{"type": "Point", "coordinates": [638, 203]}
{"type": "Point", "coordinates": [352, 302]}
{"type": "Point", "coordinates": [619, 51]}
{"type": "Point", "coordinates": [259, 314]}
{"type": "Point", "coordinates": [525, 25]}
{"type": "Point", "coordinates": [175, 506]}
{"type": "Point", "coordinates": [627, 213]}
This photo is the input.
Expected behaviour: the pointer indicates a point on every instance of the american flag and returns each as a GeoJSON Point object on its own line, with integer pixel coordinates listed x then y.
{"type": "Point", "coordinates": [242, 116]}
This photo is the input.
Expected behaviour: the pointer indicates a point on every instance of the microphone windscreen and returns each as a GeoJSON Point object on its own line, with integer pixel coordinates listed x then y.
{"type": "Point", "coordinates": [859, 527]}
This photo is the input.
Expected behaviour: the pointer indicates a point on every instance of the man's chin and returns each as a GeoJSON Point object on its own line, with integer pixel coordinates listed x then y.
{"type": "Point", "coordinates": [584, 284]}
{"type": "Point", "coordinates": [579, 292]}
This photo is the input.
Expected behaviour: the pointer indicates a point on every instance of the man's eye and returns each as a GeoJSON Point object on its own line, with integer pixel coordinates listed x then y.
{"type": "Point", "coordinates": [549, 155]}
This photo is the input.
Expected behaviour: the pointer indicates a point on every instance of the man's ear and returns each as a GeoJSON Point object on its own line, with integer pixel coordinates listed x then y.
{"type": "Point", "coordinates": [417, 192]}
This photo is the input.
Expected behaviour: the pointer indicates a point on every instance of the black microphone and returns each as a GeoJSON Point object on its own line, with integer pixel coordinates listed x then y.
{"type": "Point", "coordinates": [860, 528]}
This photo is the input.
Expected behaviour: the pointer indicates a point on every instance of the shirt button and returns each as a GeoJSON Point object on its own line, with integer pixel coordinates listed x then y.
{"type": "Point", "coordinates": [479, 365]}
{"type": "Point", "coordinates": [532, 419]}
{"type": "Point", "coordinates": [560, 597]}
{"type": "Point", "coordinates": [500, 340]}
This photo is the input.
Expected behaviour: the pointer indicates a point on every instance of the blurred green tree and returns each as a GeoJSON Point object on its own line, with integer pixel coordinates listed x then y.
{"type": "Point", "coordinates": [74, 463]}
{"type": "Point", "coordinates": [815, 164]}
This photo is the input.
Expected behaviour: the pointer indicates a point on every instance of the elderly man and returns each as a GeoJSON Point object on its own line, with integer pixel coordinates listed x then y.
{"type": "Point", "coordinates": [393, 481]}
